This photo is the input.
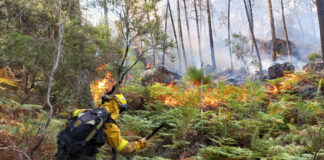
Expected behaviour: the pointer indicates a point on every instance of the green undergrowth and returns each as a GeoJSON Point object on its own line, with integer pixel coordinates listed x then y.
{"type": "Point", "coordinates": [20, 123]}
{"type": "Point", "coordinates": [259, 126]}
{"type": "Point", "coordinates": [245, 123]}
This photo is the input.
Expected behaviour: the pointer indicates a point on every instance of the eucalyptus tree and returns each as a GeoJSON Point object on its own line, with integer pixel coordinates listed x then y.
{"type": "Point", "coordinates": [187, 24]}
{"type": "Point", "coordinates": [181, 36]}
{"type": "Point", "coordinates": [198, 30]}
{"type": "Point", "coordinates": [320, 12]}
{"type": "Point", "coordinates": [229, 32]}
{"type": "Point", "coordinates": [253, 37]}
{"type": "Point", "coordinates": [212, 51]}
{"type": "Point", "coordinates": [285, 28]}
{"type": "Point", "coordinates": [273, 33]}
{"type": "Point", "coordinates": [135, 31]}
{"type": "Point", "coordinates": [175, 36]}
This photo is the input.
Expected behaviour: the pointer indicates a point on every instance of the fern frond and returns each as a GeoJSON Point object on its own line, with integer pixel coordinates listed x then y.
{"type": "Point", "coordinates": [8, 82]}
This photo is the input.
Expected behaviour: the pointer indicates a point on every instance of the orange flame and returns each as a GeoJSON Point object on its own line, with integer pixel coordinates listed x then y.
{"type": "Point", "coordinates": [102, 67]}
{"type": "Point", "coordinates": [173, 96]}
{"type": "Point", "coordinates": [272, 90]}
{"type": "Point", "coordinates": [285, 84]}
{"type": "Point", "coordinates": [100, 87]}
{"type": "Point", "coordinates": [149, 65]}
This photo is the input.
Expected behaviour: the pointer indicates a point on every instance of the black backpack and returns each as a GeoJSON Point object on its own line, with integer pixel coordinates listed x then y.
{"type": "Point", "coordinates": [83, 134]}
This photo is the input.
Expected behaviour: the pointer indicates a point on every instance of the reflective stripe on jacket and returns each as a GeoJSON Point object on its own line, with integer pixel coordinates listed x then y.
{"type": "Point", "coordinates": [112, 131]}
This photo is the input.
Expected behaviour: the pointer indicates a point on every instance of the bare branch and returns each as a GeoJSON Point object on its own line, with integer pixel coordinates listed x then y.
{"type": "Point", "coordinates": [59, 49]}
{"type": "Point", "coordinates": [17, 150]}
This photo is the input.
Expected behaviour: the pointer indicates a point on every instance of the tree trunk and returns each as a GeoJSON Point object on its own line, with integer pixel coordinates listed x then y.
{"type": "Point", "coordinates": [198, 31]}
{"type": "Point", "coordinates": [181, 37]}
{"type": "Point", "coordinates": [211, 37]}
{"type": "Point", "coordinates": [51, 77]}
{"type": "Point", "coordinates": [273, 33]}
{"type": "Point", "coordinates": [252, 21]}
{"type": "Point", "coordinates": [229, 32]}
{"type": "Point", "coordinates": [104, 4]}
{"type": "Point", "coordinates": [298, 19]}
{"type": "Point", "coordinates": [188, 29]}
{"type": "Point", "coordinates": [253, 37]}
{"type": "Point", "coordinates": [175, 36]}
{"type": "Point", "coordinates": [285, 29]}
{"type": "Point", "coordinates": [310, 12]}
{"type": "Point", "coordinates": [320, 12]}
{"type": "Point", "coordinates": [165, 30]}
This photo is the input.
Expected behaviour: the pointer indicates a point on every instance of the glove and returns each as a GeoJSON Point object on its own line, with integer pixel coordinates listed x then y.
{"type": "Point", "coordinates": [140, 144]}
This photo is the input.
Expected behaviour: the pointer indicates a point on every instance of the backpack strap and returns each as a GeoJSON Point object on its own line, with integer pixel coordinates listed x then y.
{"type": "Point", "coordinates": [93, 132]}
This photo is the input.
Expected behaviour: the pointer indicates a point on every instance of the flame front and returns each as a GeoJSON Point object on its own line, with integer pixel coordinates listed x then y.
{"type": "Point", "coordinates": [100, 87]}
{"type": "Point", "coordinates": [177, 96]}
{"type": "Point", "coordinates": [285, 84]}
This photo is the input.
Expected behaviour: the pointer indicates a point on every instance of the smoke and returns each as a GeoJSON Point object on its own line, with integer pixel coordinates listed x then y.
{"type": "Point", "coordinates": [305, 36]}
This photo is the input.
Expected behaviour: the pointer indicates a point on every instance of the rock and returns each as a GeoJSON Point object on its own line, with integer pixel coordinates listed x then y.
{"type": "Point", "coordinates": [135, 101]}
{"type": "Point", "coordinates": [279, 70]}
{"type": "Point", "coordinates": [317, 66]}
{"type": "Point", "coordinates": [159, 75]}
{"type": "Point", "coordinates": [266, 47]}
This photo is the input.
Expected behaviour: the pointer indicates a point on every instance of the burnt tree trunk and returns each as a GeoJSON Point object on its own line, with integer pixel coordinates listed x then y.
{"type": "Point", "coordinates": [253, 37]}
{"type": "Point", "coordinates": [285, 29]}
{"type": "Point", "coordinates": [229, 32]}
{"type": "Point", "coordinates": [273, 33]}
{"type": "Point", "coordinates": [175, 36]}
{"type": "Point", "coordinates": [212, 52]}
{"type": "Point", "coordinates": [198, 30]}
{"type": "Point", "coordinates": [188, 28]}
{"type": "Point", "coordinates": [180, 33]}
{"type": "Point", "coordinates": [320, 12]}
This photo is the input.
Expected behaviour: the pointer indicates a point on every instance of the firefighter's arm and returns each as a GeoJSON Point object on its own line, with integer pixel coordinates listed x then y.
{"type": "Point", "coordinates": [120, 144]}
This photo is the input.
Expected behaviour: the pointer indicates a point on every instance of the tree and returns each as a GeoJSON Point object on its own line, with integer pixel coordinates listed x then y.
{"type": "Point", "coordinates": [320, 12]}
{"type": "Point", "coordinates": [165, 29]}
{"type": "Point", "coordinates": [175, 37]}
{"type": "Point", "coordinates": [188, 28]}
{"type": "Point", "coordinates": [250, 9]}
{"type": "Point", "coordinates": [253, 37]}
{"type": "Point", "coordinates": [273, 33]}
{"type": "Point", "coordinates": [298, 17]}
{"type": "Point", "coordinates": [104, 4]}
{"type": "Point", "coordinates": [285, 28]}
{"type": "Point", "coordinates": [180, 33]}
{"type": "Point", "coordinates": [198, 30]}
{"type": "Point", "coordinates": [148, 9]}
{"type": "Point", "coordinates": [212, 52]}
{"type": "Point", "coordinates": [229, 32]}
{"type": "Point", "coordinates": [51, 76]}
{"type": "Point", "coordinates": [136, 30]}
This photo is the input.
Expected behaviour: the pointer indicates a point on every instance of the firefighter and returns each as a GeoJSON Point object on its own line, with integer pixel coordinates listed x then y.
{"type": "Point", "coordinates": [114, 105]}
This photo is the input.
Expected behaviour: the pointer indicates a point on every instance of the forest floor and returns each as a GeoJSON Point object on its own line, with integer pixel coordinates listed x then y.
{"type": "Point", "coordinates": [274, 119]}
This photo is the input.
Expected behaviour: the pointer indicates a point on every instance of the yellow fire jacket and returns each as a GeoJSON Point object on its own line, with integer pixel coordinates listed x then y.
{"type": "Point", "coordinates": [112, 131]}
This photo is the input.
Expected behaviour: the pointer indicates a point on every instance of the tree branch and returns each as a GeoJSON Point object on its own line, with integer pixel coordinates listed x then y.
{"type": "Point", "coordinates": [51, 76]}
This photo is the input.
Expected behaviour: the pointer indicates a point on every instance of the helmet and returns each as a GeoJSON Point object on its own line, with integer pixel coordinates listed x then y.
{"type": "Point", "coordinates": [122, 102]}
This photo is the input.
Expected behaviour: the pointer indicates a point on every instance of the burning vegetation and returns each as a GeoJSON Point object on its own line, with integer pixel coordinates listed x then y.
{"type": "Point", "coordinates": [102, 86]}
